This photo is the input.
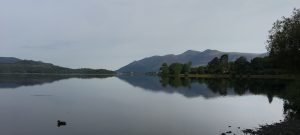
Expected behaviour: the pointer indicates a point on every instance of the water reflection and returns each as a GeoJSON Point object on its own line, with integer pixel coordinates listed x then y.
{"type": "Point", "coordinates": [15, 81]}
{"type": "Point", "coordinates": [188, 87]}
{"type": "Point", "coordinates": [207, 88]}
{"type": "Point", "coordinates": [288, 90]}
{"type": "Point", "coordinates": [142, 105]}
{"type": "Point", "coordinates": [155, 84]}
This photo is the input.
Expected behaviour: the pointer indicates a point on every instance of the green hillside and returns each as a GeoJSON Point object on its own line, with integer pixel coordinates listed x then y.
{"type": "Point", "coordinates": [29, 66]}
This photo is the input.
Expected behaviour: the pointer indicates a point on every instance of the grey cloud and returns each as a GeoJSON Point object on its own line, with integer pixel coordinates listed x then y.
{"type": "Point", "coordinates": [112, 33]}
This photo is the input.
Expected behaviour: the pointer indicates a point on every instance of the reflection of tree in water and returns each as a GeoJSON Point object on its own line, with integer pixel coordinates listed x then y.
{"type": "Point", "coordinates": [268, 87]}
{"type": "Point", "coordinates": [176, 82]}
{"type": "Point", "coordinates": [217, 85]}
{"type": "Point", "coordinates": [240, 86]}
{"type": "Point", "coordinates": [164, 81]}
{"type": "Point", "coordinates": [285, 89]}
{"type": "Point", "coordinates": [292, 100]}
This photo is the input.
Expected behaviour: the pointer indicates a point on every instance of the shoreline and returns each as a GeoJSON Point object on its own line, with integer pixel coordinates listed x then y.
{"type": "Point", "coordinates": [289, 127]}
{"type": "Point", "coordinates": [216, 76]}
{"type": "Point", "coordinates": [205, 76]}
{"type": "Point", "coordinates": [58, 74]}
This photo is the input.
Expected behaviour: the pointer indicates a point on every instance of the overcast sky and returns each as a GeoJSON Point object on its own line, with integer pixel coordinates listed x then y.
{"type": "Point", "coordinates": [112, 33]}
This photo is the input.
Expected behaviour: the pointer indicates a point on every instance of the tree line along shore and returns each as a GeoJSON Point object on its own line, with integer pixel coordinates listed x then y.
{"type": "Point", "coordinates": [282, 61]}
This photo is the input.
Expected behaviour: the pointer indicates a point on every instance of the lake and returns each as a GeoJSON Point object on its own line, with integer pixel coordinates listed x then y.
{"type": "Point", "coordinates": [137, 105]}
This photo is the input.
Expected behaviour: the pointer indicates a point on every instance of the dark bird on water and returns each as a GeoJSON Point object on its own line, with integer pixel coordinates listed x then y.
{"type": "Point", "coordinates": [61, 123]}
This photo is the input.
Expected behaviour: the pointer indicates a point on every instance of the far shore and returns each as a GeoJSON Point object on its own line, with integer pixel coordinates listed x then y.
{"type": "Point", "coordinates": [211, 76]}
{"type": "Point", "coordinates": [285, 76]}
{"type": "Point", "coordinates": [71, 74]}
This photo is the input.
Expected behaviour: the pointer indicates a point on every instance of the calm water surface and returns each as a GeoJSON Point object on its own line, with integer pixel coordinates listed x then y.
{"type": "Point", "coordinates": [130, 106]}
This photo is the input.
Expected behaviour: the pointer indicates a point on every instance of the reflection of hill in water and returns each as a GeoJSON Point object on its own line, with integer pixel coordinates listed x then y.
{"type": "Point", "coordinates": [207, 88]}
{"type": "Point", "coordinates": [289, 90]}
{"type": "Point", "coordinates": [15, 81]}
{"type": "Point", "coordinates": [187, 88]}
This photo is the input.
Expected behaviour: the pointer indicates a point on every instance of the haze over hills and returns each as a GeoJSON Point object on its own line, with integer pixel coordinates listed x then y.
{"type": "Point", "coordinates": [152, 64]}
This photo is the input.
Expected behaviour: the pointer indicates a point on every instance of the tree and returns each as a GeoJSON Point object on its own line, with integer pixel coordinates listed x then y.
{"type": "Point", "coordinates": [164, 69]}
{"type": "Point", "coordinates": [284, 42]}
{"type": "Point", "coordinates": [194, 70]}
{"type": "Point", "coordinates": [175, 69]}
{"type": "Point", "coordinates": [187, 68]}
{"type": "Point", "coordinates": [224, 64]}
{"type": "Point", "coordinates": [257, 65]}
{"type": "Point", "coordinates": [201, 70]}
{"type": "Point", "coordinates": [241, 66]}
{"type": "Point", "coordinates": [214, 66]}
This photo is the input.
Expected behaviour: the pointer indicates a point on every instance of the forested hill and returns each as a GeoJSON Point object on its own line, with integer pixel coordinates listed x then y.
{"type": "Point", "coordinates": [14, 65]}
{"type": "Point", "coordinates": [152, 64]}
{"type": "Point", "coordinates": [8, 60]}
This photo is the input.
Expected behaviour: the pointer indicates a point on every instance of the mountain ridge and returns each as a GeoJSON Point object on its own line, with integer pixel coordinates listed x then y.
{"type": "Point", "coordinates": [9, 59]}
{"type": "Point", "coordinates": [153, 63]}
{"type": "Point", "coordinates": [10, 65]}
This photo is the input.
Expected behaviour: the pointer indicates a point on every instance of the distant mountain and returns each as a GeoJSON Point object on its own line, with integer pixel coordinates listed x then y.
{"type": "Point", "coordinates": [8, 60]}
{"type": "Point", "coordinates": [15, 65]}
{"type": "Point", "coordinates": [152, 64]}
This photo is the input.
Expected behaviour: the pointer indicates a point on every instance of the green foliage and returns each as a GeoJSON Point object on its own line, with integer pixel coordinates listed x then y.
{"type": "Point", "coordinates": [241, 66]}
{"type": "Point", "coordinates": [175, 69]}
{"type": "Point", "coordinates": [186, 69]}
{"type": "Point", "coordinates": [224, 65]}
{"type": "Point", "coordinates": [258, 64]}
{"type": "Point", "coordinates": [201, 70]}
{"type": "Point", "coordinates": [214, 66]}
{"type": "Point", "coordinates": [284, 42]}
{"type": "Point", "coordinates": [164, 70]}
{"type": "Point", "coordinates": [219, 65]}
{"type": "Point", "coordinates": [263, 66]}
